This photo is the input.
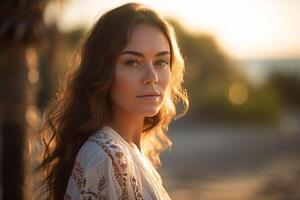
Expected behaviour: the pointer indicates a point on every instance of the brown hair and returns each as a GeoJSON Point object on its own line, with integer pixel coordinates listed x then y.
{"type": "Point", "coordinates": [83, 101]}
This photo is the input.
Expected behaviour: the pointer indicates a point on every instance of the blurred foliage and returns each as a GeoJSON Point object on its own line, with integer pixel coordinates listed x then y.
{"type": "Point", "coordinates": [287, 85]}
{"type": "Point", "coordinates": [206, 62]}
{"type": "Point", "coordinates": [262, 106]}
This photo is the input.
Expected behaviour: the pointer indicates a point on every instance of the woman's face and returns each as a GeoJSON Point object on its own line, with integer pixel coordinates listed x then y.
{"type": "Point", "coordinates": [142, 73]}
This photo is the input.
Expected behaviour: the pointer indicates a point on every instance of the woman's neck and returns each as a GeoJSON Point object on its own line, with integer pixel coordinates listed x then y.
{"type": "Point", "coordinates": [128, 126]}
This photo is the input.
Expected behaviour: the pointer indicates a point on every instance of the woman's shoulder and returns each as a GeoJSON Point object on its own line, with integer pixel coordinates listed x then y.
{"type": "Point", "coordinates": [99, 148]}
{"type": "Point", "coordinates": [98, 159]}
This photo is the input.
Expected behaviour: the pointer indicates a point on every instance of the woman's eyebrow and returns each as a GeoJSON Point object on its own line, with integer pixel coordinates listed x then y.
{"type": "Point", "coordinates": [135, 53]}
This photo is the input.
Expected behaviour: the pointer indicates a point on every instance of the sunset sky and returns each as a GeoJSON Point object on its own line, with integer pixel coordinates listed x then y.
{"type": "Point", "coordinates": [245, 29]}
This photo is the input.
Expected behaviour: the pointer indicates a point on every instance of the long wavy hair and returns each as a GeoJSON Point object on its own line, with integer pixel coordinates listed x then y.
{"type": "Point", "coordinates": [82, 102]}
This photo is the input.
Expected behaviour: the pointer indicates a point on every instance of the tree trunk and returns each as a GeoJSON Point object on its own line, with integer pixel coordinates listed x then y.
{"type": "Point", "coordinates": [14, 86]}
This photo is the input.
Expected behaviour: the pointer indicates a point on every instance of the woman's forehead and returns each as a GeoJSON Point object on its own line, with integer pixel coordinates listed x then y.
{"type": "Point", "coordinates": [147, 38]}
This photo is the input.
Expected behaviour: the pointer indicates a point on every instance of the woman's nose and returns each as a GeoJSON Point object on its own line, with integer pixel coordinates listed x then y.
{"type": "Point", "coordinates": [150, 75]}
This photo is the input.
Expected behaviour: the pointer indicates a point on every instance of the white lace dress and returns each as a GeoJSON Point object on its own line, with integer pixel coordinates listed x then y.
{"type": "Point", "coordinates": [108, 167]}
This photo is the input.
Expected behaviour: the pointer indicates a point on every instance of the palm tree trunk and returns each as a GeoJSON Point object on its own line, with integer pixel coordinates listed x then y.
{"type": "Point", "coordinates": [14, 103]}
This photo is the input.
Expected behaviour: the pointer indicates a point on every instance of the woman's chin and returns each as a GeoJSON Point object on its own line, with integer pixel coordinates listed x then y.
{"type": "Point", "coordinates": [150, 113]}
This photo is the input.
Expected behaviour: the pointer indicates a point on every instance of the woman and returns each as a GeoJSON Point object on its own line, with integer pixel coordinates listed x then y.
{"type": "Point", "coordinates": [108, 125]}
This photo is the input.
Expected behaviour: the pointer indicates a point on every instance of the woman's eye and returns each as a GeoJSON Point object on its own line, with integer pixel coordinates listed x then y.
{"type": "Point", "coordinates": [162, 63]}
{"type": "Point", "coordinates": [132, 63]}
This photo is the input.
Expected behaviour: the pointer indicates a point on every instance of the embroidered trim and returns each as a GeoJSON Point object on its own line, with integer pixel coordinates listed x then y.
{"type": "Point", "coordinates": [105, 142]}
{"type": "Point", "coordinates": [78, 176]}
{"type": "Point", "coordinates": [136, 189]}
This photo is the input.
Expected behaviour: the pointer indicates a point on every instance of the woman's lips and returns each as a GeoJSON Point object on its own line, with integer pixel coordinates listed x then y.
{"type": "Point", "coordinates": [149, 97]}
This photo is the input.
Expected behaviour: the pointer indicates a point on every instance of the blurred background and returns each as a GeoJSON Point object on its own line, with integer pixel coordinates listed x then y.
{"type": "Point", "coordinates": [240, 138]}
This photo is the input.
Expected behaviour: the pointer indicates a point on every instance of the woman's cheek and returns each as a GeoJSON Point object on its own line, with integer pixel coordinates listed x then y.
{"type": "Point", "coordinates": [165, 79]}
